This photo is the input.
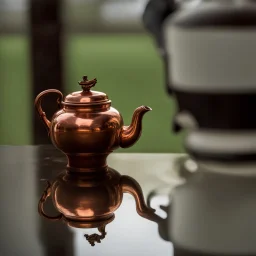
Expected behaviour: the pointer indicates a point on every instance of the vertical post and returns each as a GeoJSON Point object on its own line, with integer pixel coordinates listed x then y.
{"type": "Point", "coordinates": [46, 67]}
{"type": "Point", "coordinates": [46, 57]}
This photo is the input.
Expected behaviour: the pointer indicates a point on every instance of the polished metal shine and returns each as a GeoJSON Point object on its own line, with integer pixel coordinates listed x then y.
{"type": "Point", "coordinates": [87, 126]}
{"type": "Point", "coordinates": [89, 199]}
{"type": "Point", "coordinates": [87, 129]}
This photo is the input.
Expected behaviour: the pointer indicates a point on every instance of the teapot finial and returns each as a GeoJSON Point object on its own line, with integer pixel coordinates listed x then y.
{"type": "Point", "coordinates": [87, 84]}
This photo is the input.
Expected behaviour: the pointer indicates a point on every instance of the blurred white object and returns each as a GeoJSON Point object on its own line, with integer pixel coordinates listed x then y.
{"type": "Point", "coordinates": [122, 11]}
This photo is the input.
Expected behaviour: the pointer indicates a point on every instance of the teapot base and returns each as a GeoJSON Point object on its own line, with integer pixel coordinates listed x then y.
{"type": "Point", "coordinates": [87, 162]}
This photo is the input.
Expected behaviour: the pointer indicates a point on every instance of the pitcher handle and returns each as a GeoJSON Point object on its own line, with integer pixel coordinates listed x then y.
{"type": "Point", "coordinates": [163, 222]}
{"type": "Point", "coordinates": [39, 109]}
{"type": "Point", "coordinates": [45, 195]}
{"type": "Point", "coordinates": [153, 18]}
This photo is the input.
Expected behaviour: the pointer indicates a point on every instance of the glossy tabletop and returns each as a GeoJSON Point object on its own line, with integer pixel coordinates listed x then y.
{"type": "Point", "coordinates": [24, 232]}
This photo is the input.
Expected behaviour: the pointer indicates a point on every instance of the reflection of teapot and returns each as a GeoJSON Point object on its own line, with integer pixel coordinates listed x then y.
{"type": "Point", "coordinates": [89, 199]}
{"type": "Point", "coordinates": [87, 125]}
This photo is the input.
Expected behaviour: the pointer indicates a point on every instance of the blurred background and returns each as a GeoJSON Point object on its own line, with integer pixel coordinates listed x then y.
{"type": "Point", "coordinates": [52, 44]}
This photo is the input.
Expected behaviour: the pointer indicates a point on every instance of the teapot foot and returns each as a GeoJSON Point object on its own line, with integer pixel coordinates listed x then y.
{"type": "Point", "coordinates": [87, 162]}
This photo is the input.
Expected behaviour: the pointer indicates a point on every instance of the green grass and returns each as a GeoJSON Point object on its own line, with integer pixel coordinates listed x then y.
{"type": "Point", "coordinates": [15, 93]}
{"type": "Point", "coordinates": [127, 68]}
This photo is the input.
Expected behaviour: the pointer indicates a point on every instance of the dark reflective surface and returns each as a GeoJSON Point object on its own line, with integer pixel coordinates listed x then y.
{"type": "Point", "coordinates": [24, 232]}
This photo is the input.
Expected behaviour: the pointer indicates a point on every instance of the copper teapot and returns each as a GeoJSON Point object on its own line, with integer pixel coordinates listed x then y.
{"type": "Point", "coordinates": [86, 125]}
{"type": "Point", "coordinates": [87, 129]}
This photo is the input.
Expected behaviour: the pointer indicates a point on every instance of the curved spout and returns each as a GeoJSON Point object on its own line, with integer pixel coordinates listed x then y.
{"type": "Point", "coordinates": [130, 134]}
{"type": "Point", "coordinates": [131, 186]}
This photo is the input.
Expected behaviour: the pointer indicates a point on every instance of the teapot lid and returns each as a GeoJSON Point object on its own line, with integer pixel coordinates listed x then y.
{"type": "Point", "coordinates": [86, 96]}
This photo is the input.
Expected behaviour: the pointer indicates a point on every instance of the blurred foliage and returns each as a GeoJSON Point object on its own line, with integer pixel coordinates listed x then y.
{"type": "Point", "coordinates": [15, 91]}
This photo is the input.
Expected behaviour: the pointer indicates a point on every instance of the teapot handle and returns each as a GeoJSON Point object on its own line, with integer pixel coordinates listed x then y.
{"type": "Point", "coordinates": [163, 222]}
{"type": "Point", "coordinates": [45, 195]}
{"type": "Point", "coordinates": [39, 109]}
{"type": "Point", "coordinates": [154, 16]}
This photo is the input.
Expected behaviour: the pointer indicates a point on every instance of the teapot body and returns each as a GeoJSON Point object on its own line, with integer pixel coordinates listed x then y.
{"type": "Point", "coordinates": [79, 131]}
{"type": "Point", "coordinates": [86, 128]}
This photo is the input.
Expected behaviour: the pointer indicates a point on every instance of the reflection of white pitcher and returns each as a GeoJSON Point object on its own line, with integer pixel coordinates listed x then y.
{"type": "Point", "coordinates": [212, 214]}
{"type": "Point", "coordinates": [209, 52]}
